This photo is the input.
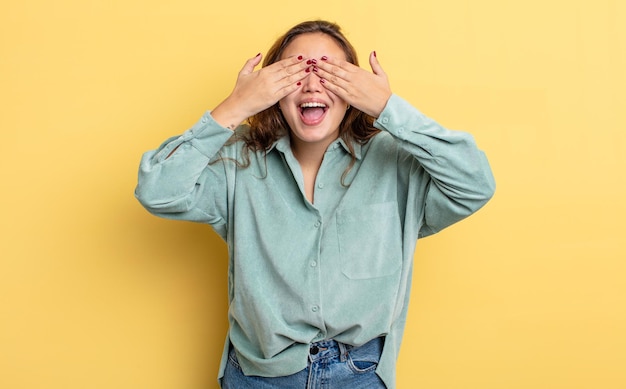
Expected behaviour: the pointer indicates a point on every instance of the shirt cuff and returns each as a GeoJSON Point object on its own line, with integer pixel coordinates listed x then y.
{"type": "Point", "coordinates": [399, 118]}
{"type": "Point", "coordinates": [207, 136]}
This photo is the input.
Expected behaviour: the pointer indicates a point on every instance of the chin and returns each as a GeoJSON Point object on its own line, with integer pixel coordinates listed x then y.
{"type": "Point", "coordinates": [309, 138]}
{"type": "Point", "coordinates": [316, 133]}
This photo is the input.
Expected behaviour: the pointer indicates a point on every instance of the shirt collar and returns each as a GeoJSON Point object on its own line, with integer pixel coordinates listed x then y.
{"type": "Point", "coordinates": [283, 144]}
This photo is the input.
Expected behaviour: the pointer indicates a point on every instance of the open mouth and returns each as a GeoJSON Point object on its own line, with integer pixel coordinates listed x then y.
{"type": "Point", "coordinates": [312, 113]}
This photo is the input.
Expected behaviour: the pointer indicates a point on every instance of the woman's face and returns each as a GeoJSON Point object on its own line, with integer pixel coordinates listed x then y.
{"type": "Point", "coordinates": [312, 112]}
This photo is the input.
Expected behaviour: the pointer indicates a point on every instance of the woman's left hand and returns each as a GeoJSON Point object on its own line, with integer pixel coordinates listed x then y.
{"type": "Point", "coordinates": [367, 92]}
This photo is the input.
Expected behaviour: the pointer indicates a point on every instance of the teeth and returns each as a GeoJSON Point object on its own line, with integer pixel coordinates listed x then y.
{"type": "Point", "coordinates": [312, 105]}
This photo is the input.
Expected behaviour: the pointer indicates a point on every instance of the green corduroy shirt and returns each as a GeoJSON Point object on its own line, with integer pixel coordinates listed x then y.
{"type": "Point", "coordinates": [339, 268]}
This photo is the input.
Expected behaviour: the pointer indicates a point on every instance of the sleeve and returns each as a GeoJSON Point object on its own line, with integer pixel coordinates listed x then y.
{"type": "Point", "coordinates": [176, 181]}
{"type": "Point", "coordinates": [458, 180]}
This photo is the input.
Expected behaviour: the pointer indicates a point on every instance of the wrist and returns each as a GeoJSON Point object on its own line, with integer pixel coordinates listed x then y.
{"type": "Point", "coordinates": [227, 115]}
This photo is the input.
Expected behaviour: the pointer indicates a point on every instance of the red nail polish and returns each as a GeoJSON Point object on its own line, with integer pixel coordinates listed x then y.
{"type": "Point", "coordinates": [299, 83]}
{"type": "Point", "coordinates": [374, 53]}
{"type": "Point", "coordinates": [324, 58]}
{"type": "Point", "coordinates": [313, 61]}
{"type": "Point", "coordinates": [322, 80]}
{"type": "Point", "coordinates": [308, 62]}
{"type": "Point", "coordinates": [308, 70]}
{"type": "Point", "coordinates": [257, 55]}
{"type": "Point", "coordinates": [315, 69]}
{"type": "Point", "coordinates": [300, 58]}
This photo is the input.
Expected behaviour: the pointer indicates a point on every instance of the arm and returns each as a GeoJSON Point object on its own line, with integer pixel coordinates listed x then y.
{"type": "Point", "coordinates": [176, 180]}
{"type": "Point", "coordinates": [459, 177]}
{"type": "Point", "coordinates": [460, 182]}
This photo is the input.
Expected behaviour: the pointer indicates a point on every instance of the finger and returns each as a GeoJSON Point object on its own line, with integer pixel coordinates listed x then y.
{"type": "Point", "coordinates": [288, 89]}
{"type": "Point", "coordinates": [290, 83]}
{"type": "Point", "coordinates": [283, 70]}
{"type": "Point", "coordinates": [250, 64]}
{"type": "Point", "coordinates": [375, 65]}
{"type": "Point", "coordinates": [299, 65]}
{"type": "Point", "coordinates": [328, 76]}
{"type": "Point", "coordinates": [291, 75]}
{"type": "Point", "coordinates": [286, 63]}
{"type": "Point", "coordinates": [336, 89]}
{"type": "Point", "coordinates": [337, 65]}
{"type": "Point", "coordinates": [333, 61]}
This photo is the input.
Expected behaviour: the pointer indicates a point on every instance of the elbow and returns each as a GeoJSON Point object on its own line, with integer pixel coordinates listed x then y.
{"type": "Point", "coordinates": [488, 190]}
{"type": "Point", "coordinates": [481, 188]}
{"type": "Point", "coordinates": [483, 193]}
{"type": "Point", "coordinates": [489, 187]}
{"type": "Point", "coordinates": [471, 199]}
{"type": "Point", "coordinates": [159, 205]}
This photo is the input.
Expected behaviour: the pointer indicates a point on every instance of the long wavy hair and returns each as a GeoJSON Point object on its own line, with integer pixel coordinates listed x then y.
{"type": "Point", "coordinates": [269, 125]}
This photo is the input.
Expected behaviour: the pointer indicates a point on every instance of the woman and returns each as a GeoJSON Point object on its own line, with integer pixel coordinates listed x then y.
{"type": "Point", "coordinates": [321, 195]}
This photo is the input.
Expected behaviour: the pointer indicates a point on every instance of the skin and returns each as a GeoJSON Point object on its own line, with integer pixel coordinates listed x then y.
{"type": "Point", "coordinates": [314, 138]}
{"type": "Point", "coordinates": [313, 67]}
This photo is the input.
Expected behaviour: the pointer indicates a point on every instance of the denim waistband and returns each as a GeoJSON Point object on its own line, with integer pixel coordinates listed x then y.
{"type": "Point", "coordinates": [331, 348]}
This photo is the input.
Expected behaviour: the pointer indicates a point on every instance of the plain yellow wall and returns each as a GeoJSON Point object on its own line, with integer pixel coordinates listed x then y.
{"type": "Point", "coordinates": [96, 293]}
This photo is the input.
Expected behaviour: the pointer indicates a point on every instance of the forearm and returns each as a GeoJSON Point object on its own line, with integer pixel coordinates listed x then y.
{"type": "Point", "coordinates": [168, 176]}
{"type": "Point", "coordinates": [461, 180]}
{"type": "Point", "coordinates": [230, 113]}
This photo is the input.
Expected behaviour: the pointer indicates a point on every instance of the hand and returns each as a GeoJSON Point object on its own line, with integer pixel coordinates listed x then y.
{"type": "Point", "coordinates": [258, 90]}
{"type": "Point", "coordinates": [368, 92]}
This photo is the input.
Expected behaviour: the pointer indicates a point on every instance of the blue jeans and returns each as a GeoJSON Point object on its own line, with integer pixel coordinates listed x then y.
{"type": "Point", "coordinates": [331, 365]}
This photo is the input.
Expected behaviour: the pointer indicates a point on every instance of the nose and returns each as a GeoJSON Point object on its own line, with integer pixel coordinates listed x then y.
{"type": "Point", "coordinates": [311, 83]}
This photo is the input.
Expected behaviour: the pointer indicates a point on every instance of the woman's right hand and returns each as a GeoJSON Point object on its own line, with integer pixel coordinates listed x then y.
{"type": "Point", "coordinates": [258, 90]}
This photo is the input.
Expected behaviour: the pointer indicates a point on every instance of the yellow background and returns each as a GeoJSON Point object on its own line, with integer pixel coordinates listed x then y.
{"type": "Point", "coordinates": [96, 293]}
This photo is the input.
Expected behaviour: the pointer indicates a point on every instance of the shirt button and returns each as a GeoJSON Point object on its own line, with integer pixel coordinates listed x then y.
{"type": "Point", "coordinates": [320, 185]}
{"type": "Point", "coordinates": [385, 120]}
{"type": "Point", "coordinates": [313, 263]}
{"type": "Point", "coordinates": [204, 119]}
{"type": "Point", "coordinates": [400, 130]}
{"type": "Point", "coordinates": [315, 308]}
{"type": "Point", "coordinates": [318, 224]}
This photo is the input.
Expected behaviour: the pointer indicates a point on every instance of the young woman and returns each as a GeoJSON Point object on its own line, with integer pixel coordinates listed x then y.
{"type": "Point", "coordinates": [320, 180]}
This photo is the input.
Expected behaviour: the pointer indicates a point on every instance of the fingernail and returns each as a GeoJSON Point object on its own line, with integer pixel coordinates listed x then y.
{"type": "Point", "coordinates": [308, 70]}
{"type": "Point", "coordinates": [322, 80]}
{"type": "Point", "coordinates": [374, 53]}
{"type": "Point", "coordinates": [315, 69]}
{"type": "Point", "coordinates": [300, 58]}
{"type": "Point", "coordinates": [258, 55]}
{"type": "Point", "coordinates": [313, 61]}
{"type": "Point", "coordinates": [308, 62]}
{"type": "Point", "coordinates": [299, 83]}
{"type": "Point", "coordinates": [324, 58]}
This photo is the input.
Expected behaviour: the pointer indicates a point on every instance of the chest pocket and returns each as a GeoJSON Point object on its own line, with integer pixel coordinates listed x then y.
{"type": "Point", "coordinates": [370, 240]}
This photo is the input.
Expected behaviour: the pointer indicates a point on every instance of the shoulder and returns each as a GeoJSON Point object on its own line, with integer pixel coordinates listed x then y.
{"type": "Point", "coordinates": [383, 141]}
{"type": "Point", "coordinates": [241, 133]}
{"type": "Point", "coordinates": [381, 149]}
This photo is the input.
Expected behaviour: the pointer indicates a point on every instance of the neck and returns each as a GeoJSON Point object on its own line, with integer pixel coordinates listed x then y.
{"type": "Point", "coordinates": [309, 155]}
